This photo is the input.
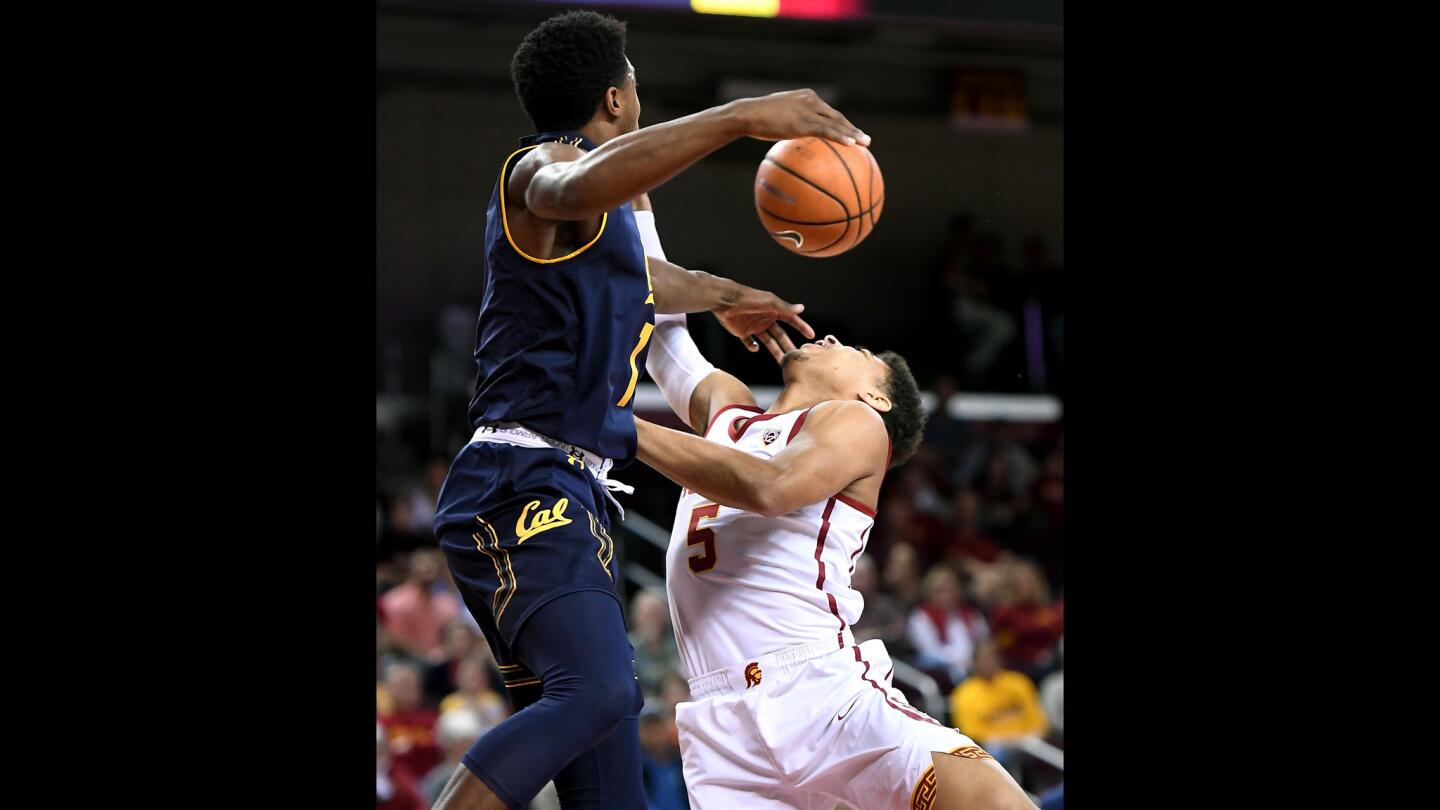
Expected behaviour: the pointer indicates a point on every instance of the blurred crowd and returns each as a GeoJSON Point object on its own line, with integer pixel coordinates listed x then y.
{"type": "Point", "coordinates": [1006, 317]}
{"type": "Point", "coordinates": [961, 579]}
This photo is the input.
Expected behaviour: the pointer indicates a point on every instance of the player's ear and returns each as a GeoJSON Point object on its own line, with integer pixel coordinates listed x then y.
{"type": "Point", "coordinates": [613, 101]}
{"type": "Point", "coordinates": [877, 400]}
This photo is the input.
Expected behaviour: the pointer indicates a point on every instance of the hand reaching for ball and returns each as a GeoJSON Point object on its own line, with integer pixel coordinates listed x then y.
{"type": "Point", "coordinates": [796, 114]}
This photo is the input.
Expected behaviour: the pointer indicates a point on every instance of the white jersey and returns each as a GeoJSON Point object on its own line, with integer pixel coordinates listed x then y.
{"type": "Point", "coordinates": [740, 584]}
{"type": "Point", "coordinates": [787, 712]}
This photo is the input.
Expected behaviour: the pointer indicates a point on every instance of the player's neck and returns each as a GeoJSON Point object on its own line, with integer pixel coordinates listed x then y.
{"type": "Point", "coordinates": [598, 132]}
{"type": "Point", "coordinates": [797, 397]}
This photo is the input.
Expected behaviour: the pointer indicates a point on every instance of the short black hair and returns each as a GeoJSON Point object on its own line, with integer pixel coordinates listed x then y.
{"type": "Point", "coordinates": [563, 68]}
{"type": "Point", "coordinates": [905, 421]}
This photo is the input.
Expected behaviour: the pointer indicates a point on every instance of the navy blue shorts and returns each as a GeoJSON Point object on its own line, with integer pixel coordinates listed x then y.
{"type": "Point", "coordinates": [519, 527]}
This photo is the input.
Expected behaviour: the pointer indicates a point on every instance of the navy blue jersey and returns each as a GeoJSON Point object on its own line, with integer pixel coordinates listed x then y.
{"type": "Point", "coordinates": [561, 342]}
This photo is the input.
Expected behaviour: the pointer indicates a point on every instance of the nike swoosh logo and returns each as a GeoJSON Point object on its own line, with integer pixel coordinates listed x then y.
{"type": "Point", "coordinates": [846, 710]}
{"type": "Point", "coordinates": [796, 236]}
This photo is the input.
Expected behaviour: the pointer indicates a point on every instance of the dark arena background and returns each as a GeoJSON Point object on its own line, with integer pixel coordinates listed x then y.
{"type": "Point", "coordinates": [963, 275]}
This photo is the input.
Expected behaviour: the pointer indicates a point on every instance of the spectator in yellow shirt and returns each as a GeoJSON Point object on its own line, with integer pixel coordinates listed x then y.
{"type": "Point", "coordinates": [996, 707]}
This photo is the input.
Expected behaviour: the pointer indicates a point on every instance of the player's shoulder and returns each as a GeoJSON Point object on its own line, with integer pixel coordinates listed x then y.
{"type": "Point", "coordinates": [850, 423]}
{"type": "Point", "coordinates": [538, 157]}
{"type": "Point", "coordinates": [547, 153]}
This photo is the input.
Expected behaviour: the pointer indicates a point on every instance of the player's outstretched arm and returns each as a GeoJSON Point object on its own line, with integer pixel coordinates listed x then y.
{"type": "Point", "coordinates": [679, 290]}
{"type": "Point", "coordinates": [747, 313]}
{"type": "Point", "coordinates": [566, 183]}
{"type": "Point", "coordinates": [841, 443]}
{"type": "Point", "coordinates": [752, 315]}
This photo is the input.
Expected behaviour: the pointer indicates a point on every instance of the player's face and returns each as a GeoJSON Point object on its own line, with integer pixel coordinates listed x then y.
{"type": "Point", "coordinates": [630, 114]}
{"type": "Point", "coordinates": [843, 366]}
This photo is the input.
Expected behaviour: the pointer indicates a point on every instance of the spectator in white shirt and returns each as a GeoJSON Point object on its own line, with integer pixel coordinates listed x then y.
{"type": "Point", "coordinates": [945, 628]}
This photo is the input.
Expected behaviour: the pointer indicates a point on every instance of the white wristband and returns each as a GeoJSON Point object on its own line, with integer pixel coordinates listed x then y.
{"type": "Point", "coordinates": [674, 362]}
{"type": "Point", "coordinates": [649, 237]}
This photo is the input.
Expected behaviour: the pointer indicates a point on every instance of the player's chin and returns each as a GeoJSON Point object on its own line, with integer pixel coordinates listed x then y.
{"type": "Point", "coordinates": [790, 357]}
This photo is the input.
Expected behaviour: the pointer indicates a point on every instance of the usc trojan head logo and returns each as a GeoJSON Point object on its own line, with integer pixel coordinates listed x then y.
{"type": "Point", "coordinates": [753, 674]}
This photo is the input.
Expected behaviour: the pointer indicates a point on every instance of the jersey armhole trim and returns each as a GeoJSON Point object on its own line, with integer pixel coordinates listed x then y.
{"type": "Point", "coordinates": [854, 504]}
{"type": "Point", "coordinates": [749, 421]}
{"type": "Point", "coordinates": [505, 218]}
{"type": "Point", "coordinates": [721, 412]}
{"type": "Point", "coordinates": [795, 428]}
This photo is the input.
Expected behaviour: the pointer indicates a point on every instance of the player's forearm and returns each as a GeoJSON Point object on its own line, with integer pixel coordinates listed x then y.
{"type": "Point", "coordinates": [727, 477]}
{"type": "Point", "coordinates": [633, 164]}
{"type": "Point", "coordinates": [678, 290]}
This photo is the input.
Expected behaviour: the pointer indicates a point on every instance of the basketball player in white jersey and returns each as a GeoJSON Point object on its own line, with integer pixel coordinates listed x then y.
{"type": "Point", "coordinates": [787, 711]}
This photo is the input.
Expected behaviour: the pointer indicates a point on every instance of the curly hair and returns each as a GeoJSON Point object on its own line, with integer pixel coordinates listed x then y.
{"type": "Point", "coordinates": [563, 68]}
{"type": "Point", "coordinates": [905, 421]}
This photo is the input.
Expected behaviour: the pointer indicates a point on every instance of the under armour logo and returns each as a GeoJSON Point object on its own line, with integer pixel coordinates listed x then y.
{"type": "Point", "coordinates": [752, 674]}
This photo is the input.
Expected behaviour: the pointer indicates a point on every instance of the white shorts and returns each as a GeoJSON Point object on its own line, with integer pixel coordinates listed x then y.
{"type": "Point", "coordinates": [806, 728]}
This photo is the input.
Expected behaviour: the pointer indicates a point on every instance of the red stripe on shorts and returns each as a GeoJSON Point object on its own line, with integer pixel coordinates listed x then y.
{"type": "Point", "coordinates": [865, 676]}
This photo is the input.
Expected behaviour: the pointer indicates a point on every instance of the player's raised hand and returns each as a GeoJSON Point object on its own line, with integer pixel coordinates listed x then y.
{"type": "Point", "coordinates": [796, 114]}
{"type": "Point", "coordinates": [755, 316]}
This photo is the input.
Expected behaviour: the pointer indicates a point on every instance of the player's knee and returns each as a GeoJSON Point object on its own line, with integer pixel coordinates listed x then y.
{"type": "Point", "coordinates": [601, 698]}
{"type": "Point", "coordinates": [976, 783]}
{"type": "Point", "coordinates": [614, 696]}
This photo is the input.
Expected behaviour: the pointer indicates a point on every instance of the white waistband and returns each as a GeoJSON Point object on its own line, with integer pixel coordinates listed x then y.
{"type": "Point", "coordinates": [740, 677]}
{"type": "Point", "coordinates": [511, 433]}
{"type": "Point", "coordinates": [521, 436]}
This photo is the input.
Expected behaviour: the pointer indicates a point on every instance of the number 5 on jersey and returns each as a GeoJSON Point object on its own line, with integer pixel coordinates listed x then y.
{"type": "Point", "coordinates": [700, 563]}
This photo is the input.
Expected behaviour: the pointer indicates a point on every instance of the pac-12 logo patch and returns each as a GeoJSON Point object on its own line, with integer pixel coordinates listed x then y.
{"type": "Point", "coordinates": [753, 674]}
{"type": "Point", "coordinates": [770, 435]}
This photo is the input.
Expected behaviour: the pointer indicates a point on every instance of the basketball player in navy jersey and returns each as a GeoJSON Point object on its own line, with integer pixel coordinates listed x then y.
{"type": "Point", "coordinates": [569, 306]}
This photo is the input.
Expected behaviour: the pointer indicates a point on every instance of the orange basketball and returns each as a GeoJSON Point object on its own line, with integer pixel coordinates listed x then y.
{"type": "Point", "coordinates": [819, 198]}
